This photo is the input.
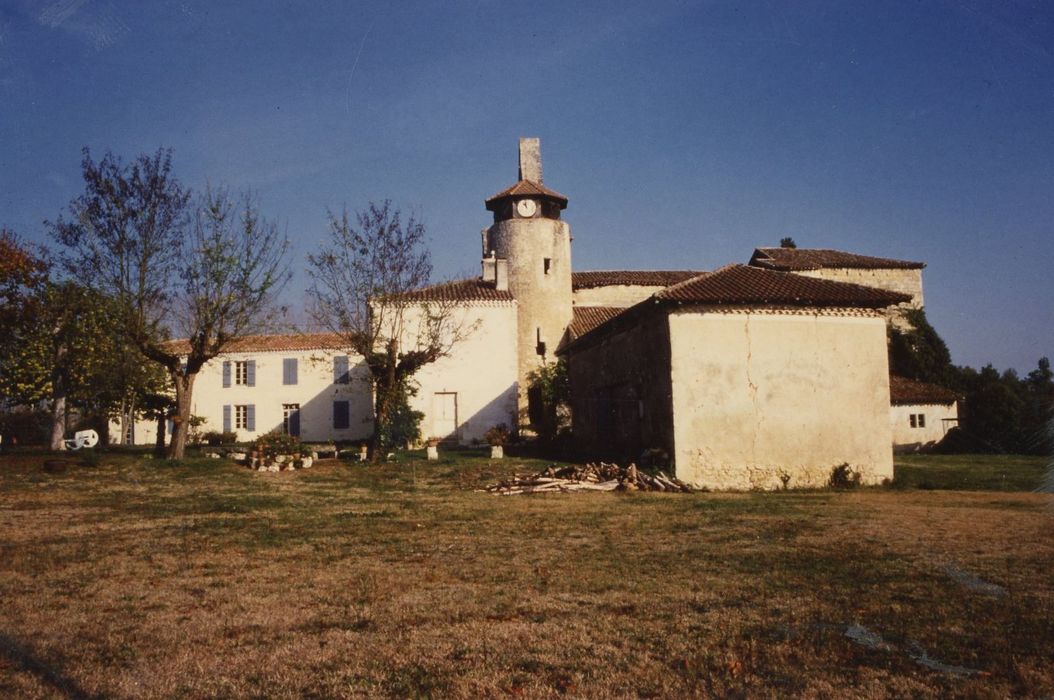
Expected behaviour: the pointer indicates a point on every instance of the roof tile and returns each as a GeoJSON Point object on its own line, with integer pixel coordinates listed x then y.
{"type": "Point", "coordinates": [276, 342]}
{"type": "Point", "coordinates": [904, 391]}
{"type": "Point", "coordinates": [741, 284]}
{"type": "Point", "coordinates": [799, 259]}
{"type": "Point", "coordinates": [633, 278]}
{"type": "Point", "coordinates": [586, 318]}
{"type": "Point", "coordinates": [459, 290]}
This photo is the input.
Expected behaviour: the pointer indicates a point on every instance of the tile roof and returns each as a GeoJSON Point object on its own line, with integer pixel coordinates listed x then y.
{"type": "Point", "coordinates": [586, 318]}
{"type": "Point", "coordinates": [797, 259]}
{"type": "Point", "coordinates": [904, 391]}
{"type": "Point", "coordinates": [526, 188]}
{"type": "Point", "coordinates": [459, 290]}
{"type": "Point", "coordinates": [741, 284]}
{"type": "Point", "coordinates": [642, 278]}
{"type": "Point", "coordinates": [277, 342]}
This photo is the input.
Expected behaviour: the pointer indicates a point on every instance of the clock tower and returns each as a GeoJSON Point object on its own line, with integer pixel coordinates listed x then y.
{"type": "Point", "coordinates": [532, 245]}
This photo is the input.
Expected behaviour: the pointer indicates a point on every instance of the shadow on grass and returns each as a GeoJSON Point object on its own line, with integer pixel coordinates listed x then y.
{"type": "Point", "coordinates": [22, 657]}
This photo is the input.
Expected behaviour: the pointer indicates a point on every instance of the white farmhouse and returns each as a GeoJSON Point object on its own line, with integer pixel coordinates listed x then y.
{"type": "Point", "coordinates": [921, 414]}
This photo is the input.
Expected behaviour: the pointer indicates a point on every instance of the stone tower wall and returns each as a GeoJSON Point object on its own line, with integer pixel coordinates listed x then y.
{"type": "Point", "coordinates": [543, 299]}
{"type": "Point", "coordinates": [893, 280]}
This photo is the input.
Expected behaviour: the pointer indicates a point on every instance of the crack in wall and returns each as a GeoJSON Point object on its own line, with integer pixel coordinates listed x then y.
{"type": "Point", "coordinates": [758, 418]}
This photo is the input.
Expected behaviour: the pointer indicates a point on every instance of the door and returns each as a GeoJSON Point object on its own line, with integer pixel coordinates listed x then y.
{"type": "Point", "coordinates": [444, 415]}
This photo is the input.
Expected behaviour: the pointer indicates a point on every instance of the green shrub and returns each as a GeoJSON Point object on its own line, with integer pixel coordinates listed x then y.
{"type": "Point", "coordinates": [844, 477]}
{"type": "Point", "coordinates": [497, 435]}
{"type": "Point", "coordinates": [276, 443]}
{"type": "Point", "coordinates": [214, 437]}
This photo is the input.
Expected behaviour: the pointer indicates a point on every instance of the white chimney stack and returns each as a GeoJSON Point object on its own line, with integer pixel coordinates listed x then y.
{"type": "Point", "coordinates": [531, 159]}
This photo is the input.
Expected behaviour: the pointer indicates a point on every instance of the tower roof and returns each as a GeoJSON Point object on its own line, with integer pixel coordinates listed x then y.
{"type": "Point", "coordinates": [530, 178]}
{"type": "Point", "coordinates": [526, 188]}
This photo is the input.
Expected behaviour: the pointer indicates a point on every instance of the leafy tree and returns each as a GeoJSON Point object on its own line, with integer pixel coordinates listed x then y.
{"type": "Point", "coordinates": [549, 394]}
{"type": "Point", "coordinates": [788, 242]}
{"type": "Point", "coordinates": [1039, 409]}
{"type": "Point", "coordinates": [363, 280]}
{"type": "Point", "coordinates": [208, 269]}
{"type": "Point", "coordinates": [919, 352]}
{"type": "Point", "coordinates": [71, 355]}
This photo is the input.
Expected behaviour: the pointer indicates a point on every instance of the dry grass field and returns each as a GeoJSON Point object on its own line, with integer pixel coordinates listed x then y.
{"type": "Point", "coordinates": [138, 579]}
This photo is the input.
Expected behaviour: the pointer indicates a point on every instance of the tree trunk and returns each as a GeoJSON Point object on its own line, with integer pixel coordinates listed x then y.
{"type": "Point", "coordinates": [181, 421]}
{"type": "Point", "coordinates": [58, 423]}
{"type": "Point", "coordinates": [381, 410]}
{"type": "Point", "coordinates": [58, 399]}
{"type": "Point", "coordinates": [384, 384]}
{"type": "Point", "coordinates": [159, 441]}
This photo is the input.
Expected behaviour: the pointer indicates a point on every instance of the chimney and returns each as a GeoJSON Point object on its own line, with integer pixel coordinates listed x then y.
{"type": "Point", "coordinates": [489, 273]}
{"type": "Point", "coordinates": [501, 274]}
{"type": "Point", "coordinates": [531, 159]}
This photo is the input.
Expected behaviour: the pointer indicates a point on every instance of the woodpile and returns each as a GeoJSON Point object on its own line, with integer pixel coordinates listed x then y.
{"type": "Point", "coordinates": [590, 477]}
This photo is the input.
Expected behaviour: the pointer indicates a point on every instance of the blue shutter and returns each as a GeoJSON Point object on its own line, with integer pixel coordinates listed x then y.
{"type": "Point", "coordinates": [289, 370]}
{"type": "Point", "coordinates": [250, 373]}
{"type": "Point", "coordinates": [340, 415]}
{"type": "Point", "coordinates": [226, 374]}
{"type": "Point", "coordinates": [227, 418]}
{"type": "Point", "coordinates": [170, 426]}
{"type": "Point", "coordinates": [340, 369]}
{"type": "Point", "coordinates": [294, 423]}
{"type": "Point", "coordinates": [183, 369]}
{"type": "Point", "coordinates": [250, 417]}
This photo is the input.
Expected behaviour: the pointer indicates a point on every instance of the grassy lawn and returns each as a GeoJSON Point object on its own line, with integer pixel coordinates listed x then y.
{"type": "Point", "coordinates": [972, 472]}
{"type": "Point", "coordinates": [134, 578]}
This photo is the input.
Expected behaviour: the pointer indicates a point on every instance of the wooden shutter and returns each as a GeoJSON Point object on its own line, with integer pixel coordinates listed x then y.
{"type": "Point", "coordinates": [294, 422]}
{"type": "Point", "coordinates": [250, 373]}
{"type": "Point", "coordinates": [340, 415]}
{"type": "Point", "coordinates": [226, 374]}
{"type": "Point", "coordinates": [289, 370]}
{"type": "Point", "coordinates": [227, 415]}
{"type": "Point", "coordinates": [250, 417]}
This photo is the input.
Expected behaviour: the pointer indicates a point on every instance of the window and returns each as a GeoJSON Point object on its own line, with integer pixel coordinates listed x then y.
{"type": "Point", "coordinates": [540, 347]}
{"type": "Point", "coordinates": [244, 372]}
{"type": "Point", "coordinates": [341, 415]}
{"type": "Point", "coordinates": [922, 420]}
{"type": "Point", "coordinates": [291, 418]}
{"type": "Point", "coordinates": [289, 371]}
{"type": "Point", "coordinates": [241, 417]}
{"type": "Point", "coordinates": [547, 264]}
{"type": "Point", "coordinates": [340, 369]}
{"type": "Point", "coordinates": [917, 420]}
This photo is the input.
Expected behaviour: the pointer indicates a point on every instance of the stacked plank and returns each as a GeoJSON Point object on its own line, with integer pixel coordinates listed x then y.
{"type": "Point", "coordinates": [589, 477]}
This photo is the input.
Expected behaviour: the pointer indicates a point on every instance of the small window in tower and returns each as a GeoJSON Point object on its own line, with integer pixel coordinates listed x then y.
{"type": "Point", "coordinates": [540, 347]}
{"type": "Point", "coordinates": [547, 264]}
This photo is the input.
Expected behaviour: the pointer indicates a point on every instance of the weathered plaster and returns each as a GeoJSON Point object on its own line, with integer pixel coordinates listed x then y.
{"type": "Point", "coordinates": [617, 295]}
{"type": "Point", "coordinates": [757, 396]}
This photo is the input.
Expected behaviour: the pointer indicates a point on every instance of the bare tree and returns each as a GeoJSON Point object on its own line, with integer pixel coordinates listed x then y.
{"type": "Point", "coordinates": [209, 270]}
{"type": "Point", "coordinates": [367, 289]}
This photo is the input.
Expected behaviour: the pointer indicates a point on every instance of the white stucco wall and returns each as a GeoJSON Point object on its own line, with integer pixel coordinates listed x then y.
{"type": "Point", "coordinates": [760, 394]}
{"type": "Point", "coordinates": [617, 295]}
{"type": "Point", "coordinates": [481, 371]}
{"type": "Point", "coordinates": [315, 391]}
{"type": "Point", "coordinates": [939, 419]}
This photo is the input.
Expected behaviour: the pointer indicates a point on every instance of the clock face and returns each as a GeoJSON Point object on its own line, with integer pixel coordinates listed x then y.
{"type": "Point", "coordinates": [526, 207]}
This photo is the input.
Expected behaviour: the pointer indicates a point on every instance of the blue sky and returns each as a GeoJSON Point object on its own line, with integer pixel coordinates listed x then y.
{"type": "Point", "coordinates": [685, 134]}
